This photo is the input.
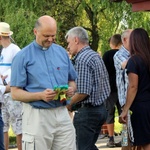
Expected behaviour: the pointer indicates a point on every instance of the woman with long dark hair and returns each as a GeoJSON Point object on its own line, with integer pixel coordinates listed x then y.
{"type": "Point", "coordinates": [138, 93]}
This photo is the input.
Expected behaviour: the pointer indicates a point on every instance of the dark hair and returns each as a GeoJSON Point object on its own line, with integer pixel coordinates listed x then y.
{"type": "Point", "coordinates": [115, 40]}
{"type": "Point", "coordinates": [140, 45]}
{"type": "Point", "coordinates": [37, 24]}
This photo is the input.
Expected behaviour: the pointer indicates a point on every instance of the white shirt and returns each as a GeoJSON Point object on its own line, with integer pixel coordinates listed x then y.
{"type": "Point", "coordinates": [6, 58]}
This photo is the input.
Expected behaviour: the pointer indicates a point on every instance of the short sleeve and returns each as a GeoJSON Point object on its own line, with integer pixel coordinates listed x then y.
{"type": "Point", "coordinates": [132, 65]}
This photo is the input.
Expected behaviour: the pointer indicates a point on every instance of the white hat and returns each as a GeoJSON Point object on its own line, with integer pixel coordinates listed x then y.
{"type": "Point", "coordinates": [5, 29]}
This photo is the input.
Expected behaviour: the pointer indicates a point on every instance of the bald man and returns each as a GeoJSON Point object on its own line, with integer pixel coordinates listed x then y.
{"type": "Point", "coordinates": [36, 70]}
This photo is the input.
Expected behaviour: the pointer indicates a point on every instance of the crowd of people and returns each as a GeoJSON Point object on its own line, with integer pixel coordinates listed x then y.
{"type": "Point", "coordinates": [92, 87]}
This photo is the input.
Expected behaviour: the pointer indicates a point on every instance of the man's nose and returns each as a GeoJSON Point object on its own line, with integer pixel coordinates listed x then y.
{"type": "Point", "coordinates": [51, 39]}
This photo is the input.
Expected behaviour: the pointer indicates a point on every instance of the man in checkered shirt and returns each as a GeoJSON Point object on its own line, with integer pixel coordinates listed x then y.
{"type": "Point", "coordinates": [92, 89]}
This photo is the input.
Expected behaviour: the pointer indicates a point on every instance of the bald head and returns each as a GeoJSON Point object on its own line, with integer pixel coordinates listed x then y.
{"type": "Point", "coordinates": [45, 21]}
{"type": "Point", "coordinates": [125, 38]}
{"type": "Point", "coordinates": [45, 30]}
{"type": "Point", "coordinates": [126, 33]}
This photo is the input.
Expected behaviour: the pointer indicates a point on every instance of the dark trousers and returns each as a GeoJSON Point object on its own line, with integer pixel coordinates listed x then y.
{"type": "Point", "coordinates": [88, 122]}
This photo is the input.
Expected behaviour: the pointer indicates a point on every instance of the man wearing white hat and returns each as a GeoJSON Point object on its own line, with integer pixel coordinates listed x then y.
{"type": "Point", "coordinates": [11, 110]}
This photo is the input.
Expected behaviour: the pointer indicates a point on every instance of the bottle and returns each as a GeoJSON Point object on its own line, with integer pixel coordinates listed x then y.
{"type": "Point", "coordinates": [124, 135]}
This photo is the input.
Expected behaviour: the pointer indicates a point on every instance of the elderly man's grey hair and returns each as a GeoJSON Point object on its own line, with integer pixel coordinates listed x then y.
{"type": "Point", "coordinates": [79, 32]}
{"type": "Point", "coordinates": [126, 34]}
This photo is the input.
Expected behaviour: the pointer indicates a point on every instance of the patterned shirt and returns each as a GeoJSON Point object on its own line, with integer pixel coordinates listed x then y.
{"type": "Point", "coordinates": [121, 75]}
{"type": "Point", "coordinates": [93, 77]}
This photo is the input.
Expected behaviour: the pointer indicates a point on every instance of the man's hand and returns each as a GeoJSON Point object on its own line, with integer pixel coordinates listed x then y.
{"type": "Point", "coordinates": [70, 92]}
{"type": "Point", "coordinates": [4, 77]}
{"type": "Point", "coordinates": [48, 95]}
{"type": "Point", "coordinates": [123, 117]}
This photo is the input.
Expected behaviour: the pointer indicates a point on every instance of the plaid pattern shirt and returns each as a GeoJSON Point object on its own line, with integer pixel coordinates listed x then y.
{"type": "Point", "coordinates": [92, 76]}
{"type": "Point", "coordinates": [121, 75]}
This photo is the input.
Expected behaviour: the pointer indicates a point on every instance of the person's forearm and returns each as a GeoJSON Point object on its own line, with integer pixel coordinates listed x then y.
{"type": "Point", "coordinates": [24, 96]}
{"type": "Point", "coordinates": [131, 93]}
{"type": "Point", "coordinates": [77, 98]}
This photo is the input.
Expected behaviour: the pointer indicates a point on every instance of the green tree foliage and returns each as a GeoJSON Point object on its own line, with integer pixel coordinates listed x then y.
{"type": "Point", "coordinates": [22, 14]}
{"type": "Point", "coordinates": [101, 18]}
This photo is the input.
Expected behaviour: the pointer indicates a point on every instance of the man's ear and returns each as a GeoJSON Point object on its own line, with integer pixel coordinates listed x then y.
{"type": "Point", "coordinates": [124, 39]}
{"type": "Point", "coordinates": [34, 31]}
{"type": "Point", "coordinates": [76, 39]}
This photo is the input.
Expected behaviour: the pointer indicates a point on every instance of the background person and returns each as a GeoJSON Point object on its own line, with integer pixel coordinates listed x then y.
{"type": "Point", "coordinates": [138, 93]}
{"type": "Point", "coordinates": [120, 60]}
{"type": "Point", "coordinates": [112, 102]}
{"type": "Point", "coordinates": [2, 91]}
{"type": "Point", "coordinates": [92, 89]}
{"type": "Point", "coordinates": [11, 110]}
{"type": "Point", "coordinates": [39, 67]}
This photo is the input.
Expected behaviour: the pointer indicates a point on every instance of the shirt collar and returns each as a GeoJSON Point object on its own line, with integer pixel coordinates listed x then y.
{"type": "Point", "coordinates": [125, 50]}
{"type": "Point", "coordinates": [81, 51]}
{"type": "Point", "coordinates": [39, 46]}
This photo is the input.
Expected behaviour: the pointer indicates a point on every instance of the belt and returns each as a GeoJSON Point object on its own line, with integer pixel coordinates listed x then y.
{"type": "Point", "coordinates": [89, 105]}
{"type": "Point", "coordinates": [86, 105]}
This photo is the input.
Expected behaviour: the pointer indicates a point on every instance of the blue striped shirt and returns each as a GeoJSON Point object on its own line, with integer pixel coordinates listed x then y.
{"type": "Point", "coordinates": [92, 76]}
{"type": "Point", "coordinates": [121, 76]}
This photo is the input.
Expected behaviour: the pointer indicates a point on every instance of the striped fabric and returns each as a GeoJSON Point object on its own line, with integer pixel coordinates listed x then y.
{"type": "Point", "coordinates": [92, 76]}
{"type": "Point", "coordinates": [121, 76]}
